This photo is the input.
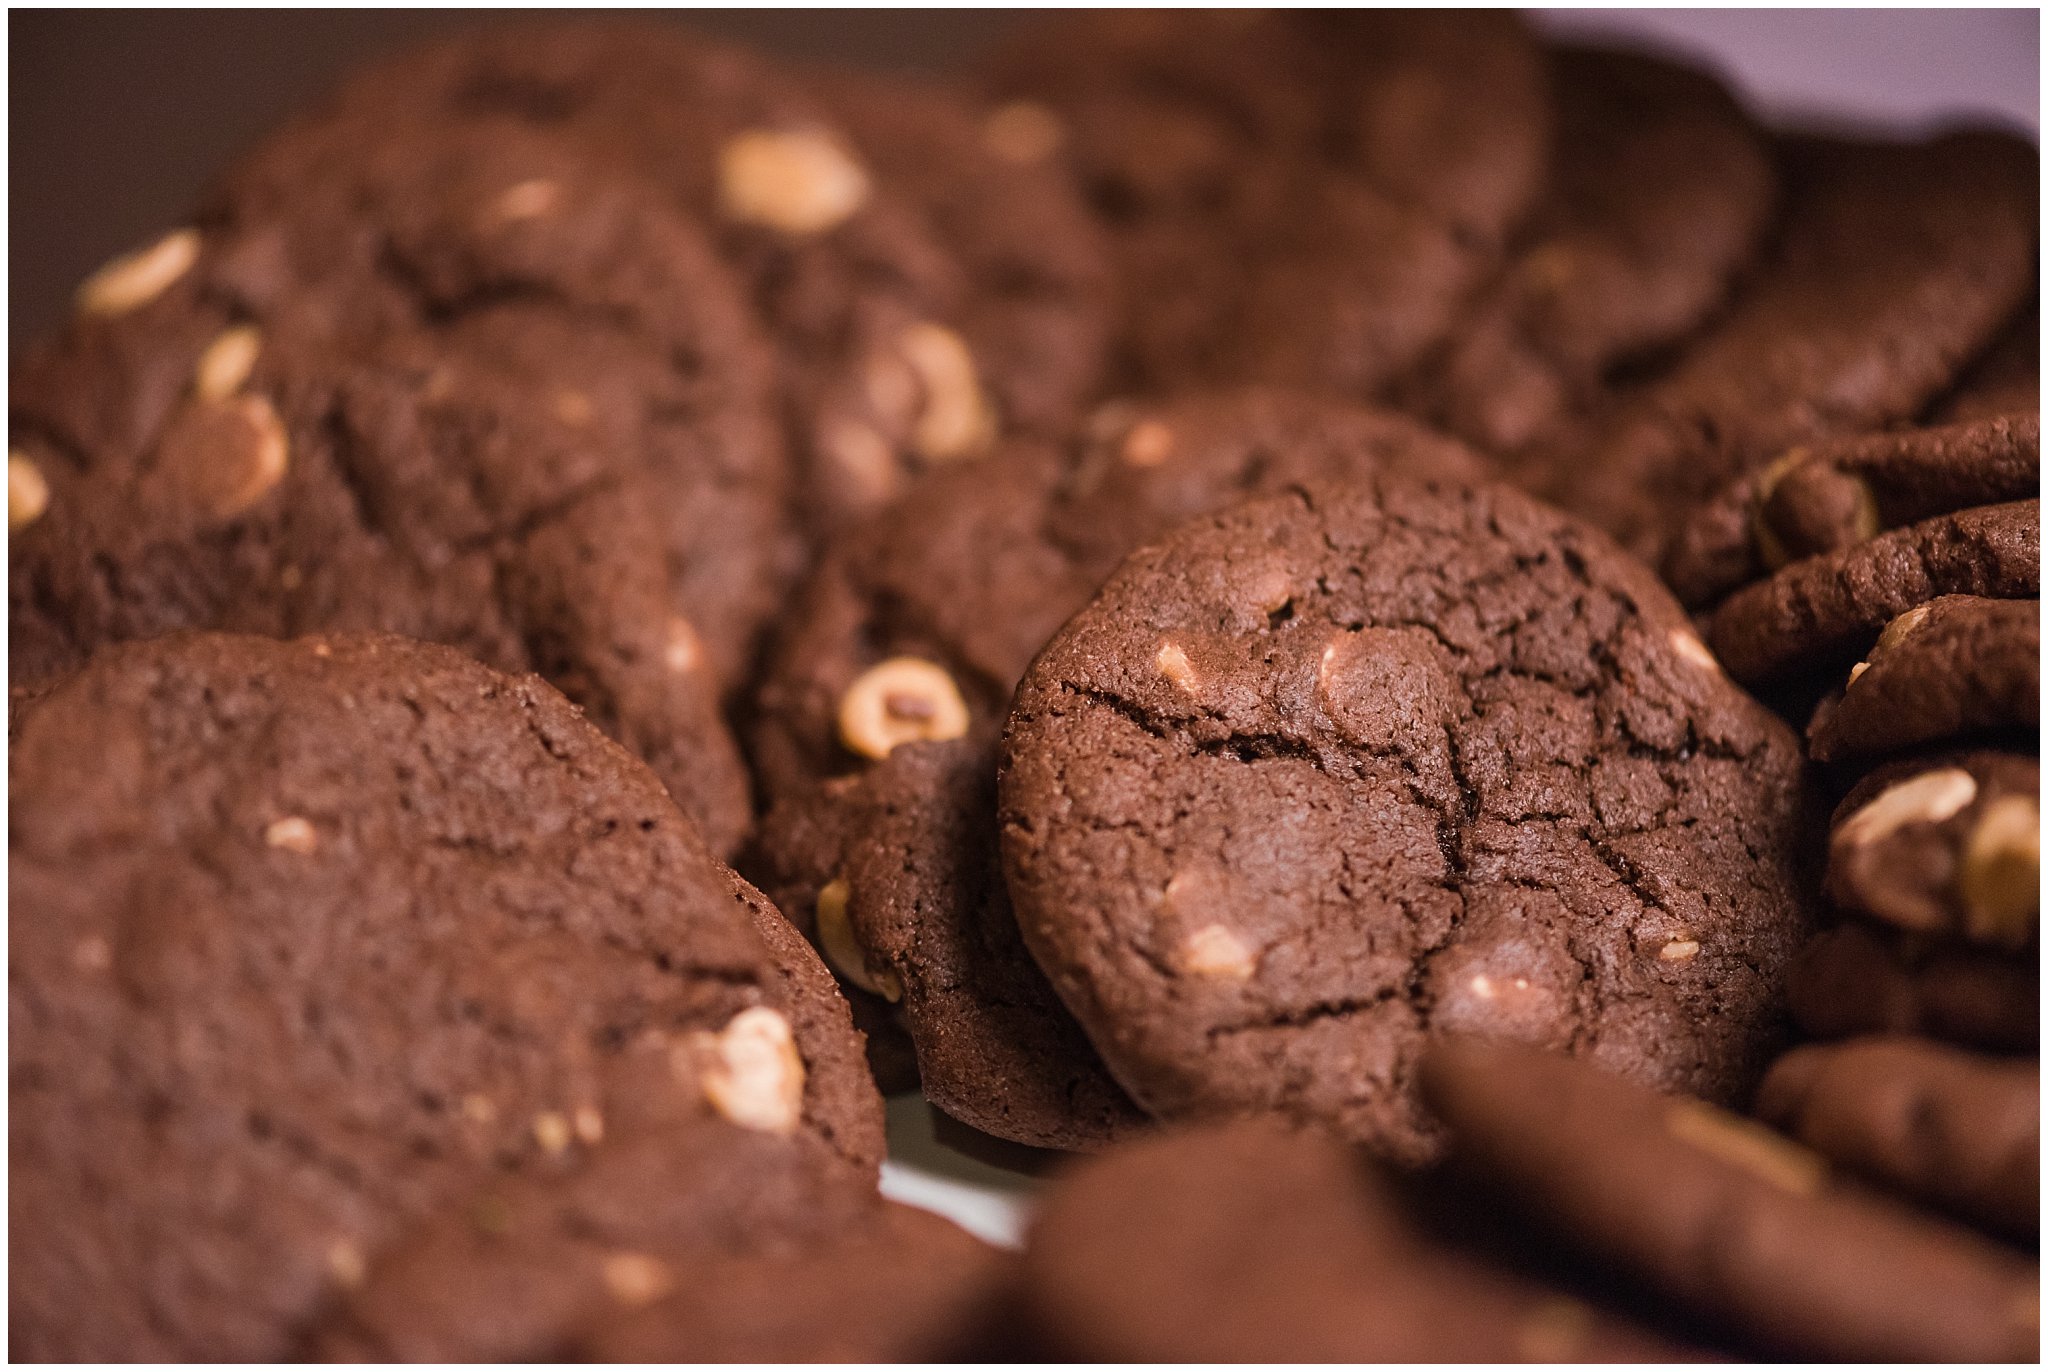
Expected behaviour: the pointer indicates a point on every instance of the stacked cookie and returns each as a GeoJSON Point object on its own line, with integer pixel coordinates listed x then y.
{"type": "Point", "coordinates": [1077, 539]}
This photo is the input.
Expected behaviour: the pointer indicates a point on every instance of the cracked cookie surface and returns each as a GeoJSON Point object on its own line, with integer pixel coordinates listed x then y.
{"type": "Point", "coordinates": [1314, 780]}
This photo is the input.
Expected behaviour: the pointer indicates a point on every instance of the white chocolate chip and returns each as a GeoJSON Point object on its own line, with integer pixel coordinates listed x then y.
{"type": "Point", "coordinates": [843, 951]}
{"type": "Point", "coordinates": [1768, 1156]}
{"type": "Point", "coordinates": [551, 1132]}
{"type": "Point", "coordinates": [636, 1279]}
{"type": "Point", "coordinates": [527, 200]}
{"type": "Point", "coordinates": [130, 282]}
{"type": "Point", "coordinates": [28, 493]}
{"type": "Point", "coordinates": [1172, 662]}
{"type": "Point", "coordinates": [1688, 646]}
{"type": "Point", "coordinates": [796, 182]}
{"type": "Point", "coordinates": [1022, 132]}
{"type": "Point", "coordinates": [1928, 798]}
{"type": "Point", "coordinates": [227, 362]}
{"type": "Point", "coordinates": [682, 651]}
{"type": "Point", "coordinates": [589, 1124]}
{"type": "Point", "coordinates": [1213, 951]}
{"type": "Point", "coordinates": [954, 420]}
{"type": "Point", "coordinates": [345, 1264]}
{"type": "Point", "coordinates": [751, 1072]}
{"type": "Point", "coordinates": [1149, 443]}
{"type": "Point", "coordinates": [903, 700]}
{"type": "Point", "coordinates": [1679, 950]}
{"type": "Point", "coordinates": [292, 833]}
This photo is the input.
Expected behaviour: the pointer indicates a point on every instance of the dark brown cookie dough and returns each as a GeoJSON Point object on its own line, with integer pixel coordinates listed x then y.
{"type": "Point", "coordinates": [948, 597]}
{"type": "Point", "coordinates": [1827, 496]}
{"type": "Point", "coordinates": [2006, 379]}
{"type": "Point", "coordinates": [322, 933]}
{"type": "Point", "coordinates": [1953, 667]}
{"type": "Point", "coordinates": [468, 390]}
{"type": "Point", "coordinates": [1855, 979]}
{"type": "Point", "coordinates": [1828, 609]}
{"type": "Point", "coordinates": [1252, 1242]}
{"type": "Point", "coordinates": [1948, 846]}
{"type": "Point", "coordinates": [1955, 1129]}
{"type": "Point", "coordinates": [1729, 1217]}
{"type": "Point", "coordinates": [1895, 265]}
{"type": "Point", "coordinates": [1658, 190]}
{"type": "Point", "coordinates": [1317, 779]}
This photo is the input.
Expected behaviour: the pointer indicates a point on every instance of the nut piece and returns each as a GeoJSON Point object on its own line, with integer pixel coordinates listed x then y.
{"type": "Point", "coordinates": [28, 493]}
{"type": "Point", "coordinates": [1764, 1154]}
{"type": "Point", "coordinates": [1213, 951]}
{"type": "Point", "coordinates": [843, 951]}
{"type": "Point", "coordinates": [130, 282]}
{"type": "Point", "coordinates": [636, 1279]}
{"type": "Point", "coordinates": [751, 1072]}
{"type": "Point", "coordinates": [954, 420]}
{"type": "Point", "coordinates": [1172, 662]}
{"type": "Point", "coordinates": [682, 651]}
{"type": "Point", "coordinates": [551, 1132]}
{"type": "Point", "coordinates": [1928, 798]}
{"type": "Point", "coordinates": [1899, 629]}
{"type": "Point", "coordinates": [1688, 646]}
{"type": "Point", "coordinates": [2000, 881]}
{"type": "Point", "coordinates": [292, 833]}
{"type": "Point", "coordinates": [903, 700]}
{"type": "Point", "coordinates": [227, 362]}
{"type": "Point", "coordinates": [1679, 950]}
{"type": "Point", "coordinates": [797, 182]}
{"type": "Point", "coordinates": [1149, 443]}
{"type": "Point", "coordinates": [1022, 132]}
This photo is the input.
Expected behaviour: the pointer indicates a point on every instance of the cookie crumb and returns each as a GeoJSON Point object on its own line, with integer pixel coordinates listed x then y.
{"type": "Point", "coordinates": [130, 282]}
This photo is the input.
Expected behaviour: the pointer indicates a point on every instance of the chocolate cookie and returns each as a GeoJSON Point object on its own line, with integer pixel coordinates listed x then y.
{"type": "Point", "coordinates": [1953, 667]}
{"type": "Point", "coordinates": [1855, 979]}
{"type": "Point", "coordinates": [468, 390]}
{"type": "Point", "coordinates": [1830, 608]}
{"type": "Point", "coordinates": [328, 932]}
{"type": "Point", "coordinates": [938, 607]}
{"type": "Point", "coordinates": [1960, 1131]}
{"type": "Point", "coordinates": [1948, 846]}
{"type": "Point", "coordinates": [1659, 188]}
{"type": "Point", "coordinates": [1728, 1217]}
{"type": "Point", "coordinates": [2006, 379]}
{"type": "Point", "coordinates": [1896, 264]}
{"type": "Point", "coordinates": [1298, 1250]}
{"type": "Point", "coordinates": [1317, 779]}
{"type": "Point", "coordinates": [1828, 496]}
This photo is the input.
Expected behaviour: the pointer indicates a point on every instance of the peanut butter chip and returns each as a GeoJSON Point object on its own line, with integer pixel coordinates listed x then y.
{"type": "Point", "coordinates": [903, 700]}
{"type": "Point", "coordinates": [1688, 646]}
{"type": "Point", "coordinates": [1742, 1143]}
{"type": "Point", "coordinates": [682, 651]}
{"type": "Point", "coordinates": [795, 182]}
{"type": "Point", "coordinates": [1928, 798]}
{"type": "Point", "coordinates": [843, 951]}
{"type": "Point", "coordinates": [293, 834]}
{"type": "Point", "coordinates": [130, 282]}
{"type": "Point", "coordinates": [751, 1072]}
{"type": "Point", "coordinates": [28, 494]}
{"type": "Point", "coordinates": [227, 362]}
{"type": "Point", "coordinates": [636, 1279]}
{"type": "Point", "coordinates": [2000, 882]}
{"type": "Point", "coordinates": [1022, 132]}
{"type": "Point", "coordinates": [527, 200]}
{"type": "Point", "coordinates": [1213, 951]}
{"type": "Point", "coordinates": [1149, 443]}
{"type": "Point", "coordinates": [953, 420]}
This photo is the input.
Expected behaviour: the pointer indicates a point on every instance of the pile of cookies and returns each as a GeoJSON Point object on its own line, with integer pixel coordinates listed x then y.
{"type": "Point", "coordinates": [1426, 642]}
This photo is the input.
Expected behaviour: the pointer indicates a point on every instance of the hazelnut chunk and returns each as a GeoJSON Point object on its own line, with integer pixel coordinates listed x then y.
{"type": "Point", "coordinates": [2000, 880]}
{"type": "Point", "coordinates": [551, 1132]}
{"type": "Point", "coordinates": [1023, 132]}
{"type": "Point", "coordinates": [1149, 443]}
{"type": "Point", "coordinates": [1688, 646]}
{"type": "Point", "coordinates": [843, 951]}
{"type": "Point", "coordinates": [227, 362]}
{"type": "Point", "coordinates": [953, 420]}
{"type": "Point", "coordinates": [636, 1279]}
{"type": "Point", "coordinates": [1745, 1144]}
{"type": "Point", "coordinates": [1856, 673]}
{"type": "Point", "coordinates": [1679, 950]}
{"type": "Point", "coordinates": [293, 833]}
{"type": "Point", "coordinates": [797, 182]}
{"type": "Point", "coordinates": [682, 651]}
{"type": "Point", "coordinates": [1213, 951]}
{"type": "Point", "coordinates": [130, 282]}
{"type": "Point", "coordinates": [903, 700]}
{"type": "Point", "coordinates": [751, 1072]}
{"type": "Point", "coordinates": [1900, 629]}
{"type": "Point", "coordinates": [28, 492]}
{"type": "Point", "coordinates": [1172, 662]}
{"type": "Point", "coordinates": [1928, 798]}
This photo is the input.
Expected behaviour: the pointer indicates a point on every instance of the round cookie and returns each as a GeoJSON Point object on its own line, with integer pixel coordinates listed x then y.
{"type": "Point", "coordinates": [1727, 1217]}
{"type": "Point", "coordinates": [1953, 667]}
{"type": "Point", "coordinates": [948, 597]}
{"type": "Point", "coordinates": [329, 931]}
{"type": "Point", "coordinates": [1948, 846]}
{"type": "Point", "coordinates": [1298, 1251]}
{"type": "Point", "coordinates": [465, 389]}
{"type": "Point", "coordinates": [1955, 1129]}
{"type": "Point", "coordinates": [1827, 496]}
{"type": "Point", "coordinates": [1831, 607]}
{"type": "Point", "coordinates": [2005, 379]}
{"type": "Point", "coordinates": [1315, 780]}
{"type": "Point", "coordinates": [1855, 979]}
{"type": "Point", "coordinates": [1657, 192]}
{"type": "Point", "coordinates": [1895, 266]}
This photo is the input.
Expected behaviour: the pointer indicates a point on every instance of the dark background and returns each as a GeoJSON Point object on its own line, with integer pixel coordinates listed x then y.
{"type": "Point", "coordinates": [118, 117]}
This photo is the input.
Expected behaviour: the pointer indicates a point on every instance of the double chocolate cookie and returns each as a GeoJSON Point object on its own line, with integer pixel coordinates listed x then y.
{"type": "Point", "coordinates": [1859, 979]}
{"type": "Point", "coordinates": [1318, 779]}
{"type": "Point", "coordinates": [330, 933]}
